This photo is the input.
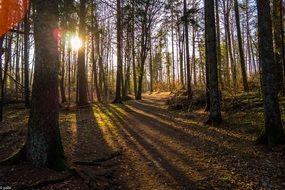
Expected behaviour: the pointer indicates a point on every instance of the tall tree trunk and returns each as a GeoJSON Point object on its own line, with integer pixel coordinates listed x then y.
{"type": "Point", "coordinates": [95, 39]}
{"type": "Point", "coordinates": [142, 62]}
{"type": "Point", "coordinates": [230, 52]}
{"type": "Point", "coordinates": [82, 79]}
{"type": "Point", "coordinates": [227, 64]}
{"type": "Point", "coordinates": [145, 27]}
{"type": "Point", "coordinates": [26, 60]}
{"type": "Point", "coordinates": [253, 56]}
{"type": "Point", "coordinates": [202, 65]}
{"type": "Point", "coordinates": [219, 54]}
{"type": "Point", "coordinates": [62, 62]}
{"type": "Point", "coordinates": [133, 49]}
{"type": "Point", "coordinates": [134, 67]}
{"type": "Point", "coordinates": [95, 71]}
{"type": "Point", "coordinates": [17, 78]}
{"type": "Point", "coordinates": [211, 59]}
{"type": "Point", "coordinates": [193, 56]}
{"type": "Point", "coordinates": [127, 66]}
{"type": "Point", "coordinates": [274, 132]}
{"type": "Point", "coordinates": [278, 42]}
{"type": "Point", "coordinates": [8, 57]}
{"type": "Point", "coordinates": [241, 52]}
{"type": "Point", "coordinates": [283, 38]}
{"type": "Point", "coordinates": [69, 74]}
{"type": "Point", "coordinates": [44, 147]}
{"type": "Point", "coordinates": [189, 90]}
{"type": "Point", "coordinates": [151, 67]}
{"type": "Point", "coordinates": [248, 41]}
{"type": "Point", "coordinates": [118, 98]}
{"type": "Point", "coordinates": [180, 42]}
{"type": "Point", "coordinates": [208, 102]}
{"type": "Point", "coordinates": [1, 77]}
{"type": "Point", "coordinates": [100, 53]}
{"type": "Point", "coordinates": [172, 47]}
{"type": "Point", "coordinates": [62, 78]}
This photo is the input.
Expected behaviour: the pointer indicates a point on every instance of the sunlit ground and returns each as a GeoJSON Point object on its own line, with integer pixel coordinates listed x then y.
{"type": "Point", "coordinates": [165, 149]}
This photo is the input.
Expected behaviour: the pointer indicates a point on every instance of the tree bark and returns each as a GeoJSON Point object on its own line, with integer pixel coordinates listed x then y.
{"type": "Point", "coordinates": [26, 60]}
{"type": "Point", "coordinates": [172, 48]}
{"type": "Point", "coordinates": [189, 90]}
{"type": "Point", "coordinates": [8, 56]}
{"type": "Point", "coordinates": [134, 50]}
{"type": "Point", "coordinates": [95, 39]}
{"type": "Point", "coordinates": [145, 27]}
{"type": "Point", "coordinates": [82, 79]}
{"type": "Point", "coordinates": [227, 64]}
{"type": "Point", "coordinates": [180, 47]}
{"type": "Point", "coordinates": [118, 98]}
{"type": "Point", "coordinates": [211, 59]}
{"type": "Point", "coordinates": [219, 54]}
{"type": "Point", "coordinates": [278, 42]}
{"type": "Point", "coordinates": [241, 52]}
{"type": "Point", "coordinates": [44, 147]}
{"type": "Point", "coordinates": [230, 52]}
{"type": "Point", "coordinates": [151, 67]}
{"type": "Point", "coordinates": [273, 133]}
{"type": "Point", "coordinates": [1, 99]}
{"type": "Point", "coordinates": [193, 56]}
{"type": "Point", "coordinates": [62, 74]}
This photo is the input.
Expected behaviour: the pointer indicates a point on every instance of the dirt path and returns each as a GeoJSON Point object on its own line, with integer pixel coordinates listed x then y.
{"type": "Point", "coordinates": [153, 148]}
{"type": "Point", "coordinates": [162, 150]}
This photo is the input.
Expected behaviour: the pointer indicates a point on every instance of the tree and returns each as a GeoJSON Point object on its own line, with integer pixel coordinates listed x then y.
{"type": "Point", "coordinates": [211, 59]}
{"type": "Point", "coordinates": [64, 25]}
{"type": "Point", "coordinates": [82, 80]}
{"type": "Point", "coordinates": [240, 45]}
{"type": "Point", "coordinates": [278, 42]}
{"type": "Point", "coordinates": [150, 68]}
{"type": "Point", "coordinates": [219, 54]}
{"type": "Point", "coordinates": [226, 5]}
{"type": "Point", "coordinates": [145, 26]}
{"type": "Point", "coordinates": [273, 132]}
{"type": "Point", "coordinates": [95, 39]}
{"type": "Point", "coordinates": [118, 98]}
{"type": "Point", "coordinates": [147, 12]}
{"type": "Point", "coordinates": [172, 44]}
{"type": "Point", "coordinates": [1, 84]}
{"type": "Point", "coordinates": [26, 57]}
{"type": "Point", "coordinates": [251, 56]}
{"type": "Point", "coordinates": [186, 33]}
{"type": "Point", "coordinates": [133, 48]}
{"type": "Point", "coordinates": [180, 49]}
{"type": "Point", "coordinates": [44, 147]}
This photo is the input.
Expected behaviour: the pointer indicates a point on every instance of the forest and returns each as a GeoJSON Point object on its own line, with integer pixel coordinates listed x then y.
{"type": "Point", "coordinates": [142, 94]}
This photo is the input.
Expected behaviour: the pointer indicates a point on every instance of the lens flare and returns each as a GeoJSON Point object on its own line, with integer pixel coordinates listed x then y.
{"type": "Point", "coordinates": [76, 42]}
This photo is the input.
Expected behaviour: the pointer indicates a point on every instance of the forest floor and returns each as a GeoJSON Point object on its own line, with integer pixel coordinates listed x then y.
{"type": "Point", "coordinates": [144, 145]}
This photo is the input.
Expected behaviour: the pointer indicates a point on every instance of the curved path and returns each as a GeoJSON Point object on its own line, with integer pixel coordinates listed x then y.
{"type": "Point", "coordinates": [164, 150]}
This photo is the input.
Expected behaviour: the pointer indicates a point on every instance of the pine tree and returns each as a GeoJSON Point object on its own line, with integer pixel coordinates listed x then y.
{"type": "Point", "coordinates": [211, 59]}
{"type": "Point", "coordinates": [273, 132]}
{"type": "Point", "coordinates": [44, 147]}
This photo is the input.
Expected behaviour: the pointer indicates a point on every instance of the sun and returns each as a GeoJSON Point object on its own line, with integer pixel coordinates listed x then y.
{"type": "Point", "coordinates": [76, 43]}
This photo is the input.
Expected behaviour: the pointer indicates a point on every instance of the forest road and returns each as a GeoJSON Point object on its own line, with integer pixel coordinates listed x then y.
{"type": "Point", "coordinates": [163, 149]}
